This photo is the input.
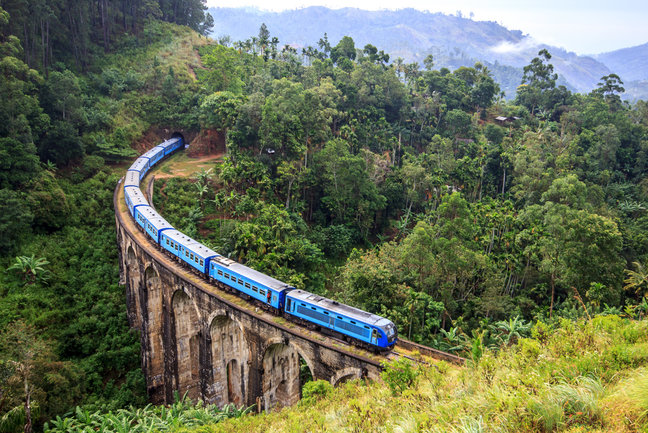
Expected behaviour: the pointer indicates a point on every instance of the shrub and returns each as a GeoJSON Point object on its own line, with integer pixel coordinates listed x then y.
{"type": "Point", "coordinates": [399, 375]}
{"type": "Point", "coordinates": [315, 390]}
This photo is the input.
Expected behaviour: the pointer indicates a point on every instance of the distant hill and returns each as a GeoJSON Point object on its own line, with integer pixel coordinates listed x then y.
{"type": "Point", "coordinates": [631, 64]}
{"type": "Point", "coordinates": [453, 41]}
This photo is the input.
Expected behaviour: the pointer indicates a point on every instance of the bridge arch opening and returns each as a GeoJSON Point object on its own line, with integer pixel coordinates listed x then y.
{"type": "Point", "coordinates": [152, 327]}
{"type": "Point", "coordinates": [132, 277]}
{"type": "Point", "coordinates": [346, 374]}
{"type": "Point", "coordinates": [131, 259]}
{"type": "Point", "coordinates": [187, 368]}
{"type": "Point", "coordinates": [153, 289]}
{"type": "Point", "coordinates": [284, 373]}
{"type": "Point", "coordinates": [230, 355]}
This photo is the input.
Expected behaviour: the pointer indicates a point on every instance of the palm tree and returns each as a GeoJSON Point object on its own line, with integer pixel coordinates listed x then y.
{"type": "Point", "coordinates": [202, 190]}
{"type": "Point", "coordinates": [204, 176]}
{"type": "Point", "coordinates": [511, 330]}
{"type": "Point", "coordinates": [636, 280]}
{"type": "Point", "coordinates": [31, 269]}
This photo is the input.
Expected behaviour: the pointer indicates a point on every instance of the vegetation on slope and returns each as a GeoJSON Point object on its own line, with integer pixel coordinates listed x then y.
{"type": "Point", "coordinates": [575, 377]}
{"type": "Point", "coordinates": [64, 337]}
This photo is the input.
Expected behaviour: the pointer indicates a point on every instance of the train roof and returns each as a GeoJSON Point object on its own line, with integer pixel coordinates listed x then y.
{"type": "Point", "coordinates": [139, 164]}
{"type": "Point", "coordinates": [132, 178]}
{"type": "Point", "coordinates": [136, 196]}
{"type": "Point", "coordinates": [153, 152]}
{"type": "Point", "coordinates": [168, 143]}
{"type": "Point", "coordinates": [253, 275]}
{"type": "Point", "coordinates": [154, 218]}
{"type": "Point", "coordinates": [343, 309]}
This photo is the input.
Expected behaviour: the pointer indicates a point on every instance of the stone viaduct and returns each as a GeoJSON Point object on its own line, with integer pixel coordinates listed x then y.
{"type": "Point", "coordinates": [214, 346]}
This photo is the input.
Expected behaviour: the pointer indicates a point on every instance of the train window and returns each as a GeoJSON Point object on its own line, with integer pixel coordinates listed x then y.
{"type": "Point", "coordinates": [247, 285]}
{"type": "Point", "coordinates": [353, 322]}
{"type": "Point", "coordinates": [191, 256]}
{"type": "Point", "coordinates": [240, 281]}
{"type": "Point", "coordinates": [167, 241]}
{"type": "Point", "coordinates": [339, 317]}
{"type": "Point", "coordinates": [227, 275]}
{"type": "Point", "coordinates": [326, 312]}
{"type": "Point", "coordinates": [255, 288]}
{"type": "Point", "coordinates": [366, 327]}
{"type": "Point", "coordinates": [262, 292]}
{"type": "Point", "coordinates": [303, 305]}
{"type": "Point", "coordinates": [313, 308]}
{"type": "Point", "coordinates": [220, 272]}
{"type": "Point", "coordinates": [176, 246]}
{"type": "Point", "coordinates": [202, 262]}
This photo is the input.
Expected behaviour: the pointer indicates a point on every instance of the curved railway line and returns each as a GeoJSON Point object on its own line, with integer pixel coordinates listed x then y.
{"type": "Point", "coordinates": [290, 330]}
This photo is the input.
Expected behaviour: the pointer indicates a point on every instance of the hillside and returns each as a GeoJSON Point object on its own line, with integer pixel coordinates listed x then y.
{"type": "Point", "coordinates": [630, 64]}
{"type": "Point", "coordinates": [577, 377]}
{"type": "Point", "coordinates": [411, 34]}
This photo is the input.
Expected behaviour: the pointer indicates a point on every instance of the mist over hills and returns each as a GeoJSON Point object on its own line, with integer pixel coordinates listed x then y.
{"type": "Point", "coordinates": [453, 40]}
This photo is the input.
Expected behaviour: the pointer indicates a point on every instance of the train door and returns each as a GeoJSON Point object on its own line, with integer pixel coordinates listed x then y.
{"type": "Point", "coordinates": [374, 336]}
{"type": "Point", "coordinates": [289, 305]}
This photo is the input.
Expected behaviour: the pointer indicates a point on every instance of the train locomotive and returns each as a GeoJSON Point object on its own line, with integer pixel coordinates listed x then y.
{"type": "Point", "coordinates": [316, 312]}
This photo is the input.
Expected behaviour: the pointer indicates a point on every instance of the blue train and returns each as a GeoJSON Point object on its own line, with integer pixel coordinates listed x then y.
{"type": "Point", "coordinates": [316, 312]}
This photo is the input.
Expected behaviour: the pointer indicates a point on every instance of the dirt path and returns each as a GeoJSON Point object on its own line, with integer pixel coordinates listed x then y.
{"type": "Point", "coordinates": [184, 166]}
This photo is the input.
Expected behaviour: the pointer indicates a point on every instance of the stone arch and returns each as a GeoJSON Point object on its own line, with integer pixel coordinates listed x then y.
{"type": "Point", "coordinates": [131, 257]}
{"type": "Point", "coordinates": [132, 278]}
{"type": "Point", "coordinates": [153, 318]}
{"type": "Point", "coordinates": [187, 365]}
{"type": "Point", "coordinates": [230, 357]}
{"type": "Point", "coordinates": [346, 374]}
{"type": "Point", "coordinates": [281, 383]}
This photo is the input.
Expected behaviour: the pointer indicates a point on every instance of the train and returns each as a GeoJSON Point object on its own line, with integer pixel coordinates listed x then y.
{"type": "Point", "coordinates": [316, 312]}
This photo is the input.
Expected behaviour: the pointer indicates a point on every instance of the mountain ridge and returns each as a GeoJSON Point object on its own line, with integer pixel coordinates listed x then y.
{"type": "Point", "coordinates": [453, 40]}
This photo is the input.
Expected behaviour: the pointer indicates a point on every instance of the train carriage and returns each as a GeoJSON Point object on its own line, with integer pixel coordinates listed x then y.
{"type": "Point", "coordinates": [171, 145]}
{"type": "Point", "coordinates": [141, 165]}
{"type": "Point", "coordinates": [154, 155]}
{"type": "Point", "coordinates": [151, 221]}
{"type": "Point", "coordinates": [347, 320]}
{"type": "Point", "coordinates": [132, 179]}
{"type": "Point", "coordinates": [188, 250]}
{"type": "Point", "coordinates": [134, 198]}
{"type": "Point", "coordinates": [253, 283]}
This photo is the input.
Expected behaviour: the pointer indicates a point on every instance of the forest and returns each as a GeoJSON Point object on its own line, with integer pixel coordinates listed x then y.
{"type": "Point", "coordinates": [416, 193]}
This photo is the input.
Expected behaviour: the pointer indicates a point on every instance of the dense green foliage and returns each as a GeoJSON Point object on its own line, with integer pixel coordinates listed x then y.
{"type": "Point", "coordinates": [70, 31]}
{"type": "Point", "coordinates": [149, 418]}
{"type": "Point", "coordinates": [391, 188]}
{"type": "Point", "coordinates": [64, 338]}
{"type": "Point", "coordinates": [472, 220]}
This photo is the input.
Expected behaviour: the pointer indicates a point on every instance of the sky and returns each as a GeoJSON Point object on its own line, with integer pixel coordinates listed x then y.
{"type": "Point", "coordinates": [582, 26]}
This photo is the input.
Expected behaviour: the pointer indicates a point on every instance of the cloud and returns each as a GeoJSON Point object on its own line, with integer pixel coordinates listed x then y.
{"type": "Point", "coordinates": [506, 47]}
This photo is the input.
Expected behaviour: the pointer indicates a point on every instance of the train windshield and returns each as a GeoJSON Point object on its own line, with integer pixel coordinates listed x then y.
{"type": "Point", "coordinates": [391, 332]}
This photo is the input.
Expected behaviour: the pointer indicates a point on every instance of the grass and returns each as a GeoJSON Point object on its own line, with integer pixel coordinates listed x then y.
{"type": "Point", "coordinates": [535, 386]}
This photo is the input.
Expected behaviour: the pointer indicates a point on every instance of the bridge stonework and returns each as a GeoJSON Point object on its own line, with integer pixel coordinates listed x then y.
{"type": "Point", "coordinates": [213, 346]}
